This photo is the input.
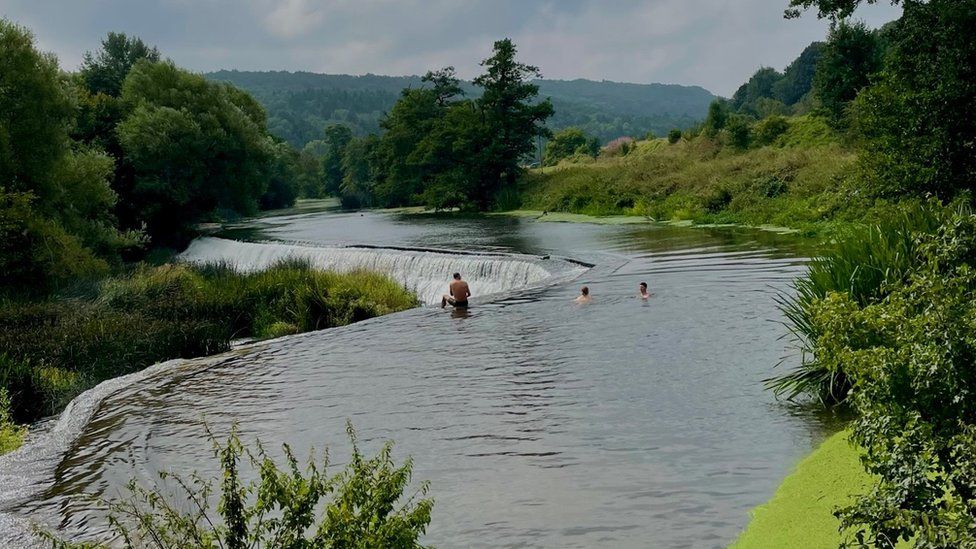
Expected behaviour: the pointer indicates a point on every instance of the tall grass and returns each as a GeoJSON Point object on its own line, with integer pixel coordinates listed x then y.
{"type": "Point", "coordinates": [801, 179]}
{"type": "Point", "coordinates": [54, 350]}
{"type": "Point", "coordinates": [864, 263]}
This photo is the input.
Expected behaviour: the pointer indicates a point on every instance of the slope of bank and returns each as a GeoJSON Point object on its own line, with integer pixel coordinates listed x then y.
{"type": "Point", "coordinates": [800, 515]}
{"type": "Point", "coordinates": [800, 180]}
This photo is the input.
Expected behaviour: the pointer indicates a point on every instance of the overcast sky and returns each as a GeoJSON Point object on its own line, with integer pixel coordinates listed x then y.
{"type": "Point", "coordinates": [717, 44]}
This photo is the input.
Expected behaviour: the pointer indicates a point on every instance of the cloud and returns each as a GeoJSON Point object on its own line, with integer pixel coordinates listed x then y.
{"type": "Point", "coordinates": [717, 44]}
{"type": "Point", "coordinates": [293, 18]}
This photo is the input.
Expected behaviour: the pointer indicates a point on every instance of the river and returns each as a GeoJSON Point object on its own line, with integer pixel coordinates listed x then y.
{"type": "Point", "coordinates": [538, 422]}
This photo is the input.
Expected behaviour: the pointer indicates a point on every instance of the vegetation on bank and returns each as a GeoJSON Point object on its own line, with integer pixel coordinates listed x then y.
{"type": "Point", "coordinates": [887, 318]}
{"type": "Point", "coordinates": [797, 180]}
{"type": "Point", "coordinates": [55, 349]}
{"type": "Point", "coordinates": [362, 505]}
{"type": "Point", "coordinates": [801, 513]}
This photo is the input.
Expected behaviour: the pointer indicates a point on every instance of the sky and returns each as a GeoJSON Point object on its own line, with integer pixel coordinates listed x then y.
{"type": "Point", "coordinates": [716, 44]}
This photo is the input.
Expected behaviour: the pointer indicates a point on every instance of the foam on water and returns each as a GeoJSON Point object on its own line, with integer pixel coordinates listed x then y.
{"type": "Point", "coordinates": [424, 272]}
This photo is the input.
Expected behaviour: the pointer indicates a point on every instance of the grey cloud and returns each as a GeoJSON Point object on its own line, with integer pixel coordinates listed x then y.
{"type": "Point", "coordinates": [713, 43]}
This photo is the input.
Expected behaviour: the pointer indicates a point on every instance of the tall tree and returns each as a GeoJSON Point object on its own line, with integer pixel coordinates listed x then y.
{"type": "Point", "coordinates": [759, 86]}
{"type": "Point", "coordinates": [850, 58]}
{"type": "Point", "coordinates": [194, 146]}
{"type": "Point", "coordinates": [512, 119]}
{"type": "Point", "coordinates": [105, 71]}
{"type": "Point", "coordinates": [797, 79]}
{"type": "Point", "coordinates": [919, 120]}
{"type": "Point", "coordinates": [337, 136]}
{"type": "Point", "coordinates": [55, 201]}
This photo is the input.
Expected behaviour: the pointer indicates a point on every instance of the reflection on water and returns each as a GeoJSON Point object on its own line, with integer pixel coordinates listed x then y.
{"type": "Point", "coordinates": [625, 423]}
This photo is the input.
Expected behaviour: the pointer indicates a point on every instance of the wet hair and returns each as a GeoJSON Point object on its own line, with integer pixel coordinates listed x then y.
{"type": "Point", "coordinates": [457, 276]}
{"type": "Point", "coordinates": [585, 290]}
{"type": "Point", "coordinates": [643, 284]}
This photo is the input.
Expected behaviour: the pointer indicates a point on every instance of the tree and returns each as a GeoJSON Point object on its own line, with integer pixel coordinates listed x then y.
{"type": "Point", "coordinates": [835, 9]}
{"type": "Point", "coordinates": [361, 167]}
{"type": "Point", "coordinates": [797, 80]}
{"type": "Point", "coordinates": [674, 136]}
{"type": "Point", "coordinates": [410, 121]}
{"type": "Point", "coordinates": [194, 147]}
{"type": "Point", "coordinates": [337, 136]}
{"type": "Point", "coordinates": [55, 199]}
{"type": "Point", "coordinates": [568, 142]}
{"type": "Point", "coordinates": [512, 120]}
{"type": "Point", "coordinates": [105, 71]}
{"type": "Point", "coordinates": [850, 58]}
{"type": "Point", "coordinates": [740, 133]}
{"type": "Point", "coordinates": [718, 115]}
{"type": "Point", "coordinates": [759, 86]}
{"type": "Point", "coordinates": [918, 122]}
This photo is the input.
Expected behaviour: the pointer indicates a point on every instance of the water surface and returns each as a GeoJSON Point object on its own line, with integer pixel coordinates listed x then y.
{"type": "Point", "coordinates": [539, 423]}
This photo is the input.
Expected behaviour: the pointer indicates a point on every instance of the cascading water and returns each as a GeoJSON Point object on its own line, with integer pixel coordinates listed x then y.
{"type": "Point", "coordinates": [424, 272]}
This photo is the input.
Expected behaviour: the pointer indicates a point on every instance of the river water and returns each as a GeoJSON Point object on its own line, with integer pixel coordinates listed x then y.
{"type": "Point", "coordinates": [538, 422]}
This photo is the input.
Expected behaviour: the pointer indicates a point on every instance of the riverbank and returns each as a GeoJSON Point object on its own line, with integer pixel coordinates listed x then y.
{"type": "Point", "coordinates": [57, 348]}
{"type": "Point", "coordinates": [802, 180]}
{"type": "Point", "coordinates": [800, 514]}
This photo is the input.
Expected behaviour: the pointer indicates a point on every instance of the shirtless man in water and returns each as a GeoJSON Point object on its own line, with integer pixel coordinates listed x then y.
{"type": "Point", "coordinates": [459, 293]}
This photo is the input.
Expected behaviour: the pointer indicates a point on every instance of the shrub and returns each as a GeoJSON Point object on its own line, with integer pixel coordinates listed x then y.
{"type": "Point", "coordinates": [770, 128]}
{"type": "Point", "coordinates": [363, 504]}
{"type": "Point", "coordinates": [864, 264]}
{"type": "Point", "coordinates": [674, 136]}
{"type": "Point", "coordinates": [911, 355]}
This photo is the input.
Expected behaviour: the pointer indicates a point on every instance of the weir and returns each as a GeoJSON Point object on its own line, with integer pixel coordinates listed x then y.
{"type": "Point", "coordinates": [424, 272]}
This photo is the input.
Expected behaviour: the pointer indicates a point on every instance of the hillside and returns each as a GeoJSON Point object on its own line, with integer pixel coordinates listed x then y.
{"type": "Point", "coordinates": [797, 180]}
{"type": "Point", "coordinates": [301, 104]}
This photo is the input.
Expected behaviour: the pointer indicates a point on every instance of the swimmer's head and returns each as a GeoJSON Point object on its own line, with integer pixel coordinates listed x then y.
{"type": "Point", "coordinates": [457, 276]}
{"type": "Point", "coordinates": [643, 286]}
{"type": "Point", "coordinates": [585, 291]}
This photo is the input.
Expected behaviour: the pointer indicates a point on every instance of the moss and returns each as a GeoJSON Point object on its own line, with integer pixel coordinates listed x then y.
{"type": "Point", "coordinates": [800, 515]}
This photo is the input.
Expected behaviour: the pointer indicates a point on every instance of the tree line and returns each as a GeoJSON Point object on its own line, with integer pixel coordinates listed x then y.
{"type": "Point", "coordinates": [439, 148]}
{"type": "Point", "coordinates": [127, 154]}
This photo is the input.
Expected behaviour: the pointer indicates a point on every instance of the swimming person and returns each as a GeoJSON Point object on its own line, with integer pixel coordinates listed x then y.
{"type": "Point", "coordinates": [643, 290]}
{"type": "Point", "coordinates": [459, 293]}
{"type": "Point", "coordinates": [584, 296]}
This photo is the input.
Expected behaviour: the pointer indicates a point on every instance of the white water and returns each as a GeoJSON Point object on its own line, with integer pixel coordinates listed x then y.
{"type": "Point", "coordinates": [426, 273]}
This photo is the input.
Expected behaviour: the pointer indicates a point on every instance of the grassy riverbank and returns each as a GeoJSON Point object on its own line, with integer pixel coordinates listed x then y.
{"type": "Point", "coordinates": [800, 515]}
{"type": "Point", "coordinates": [801, 180]}
{"type": "Point", "coordinates": [57, 348]}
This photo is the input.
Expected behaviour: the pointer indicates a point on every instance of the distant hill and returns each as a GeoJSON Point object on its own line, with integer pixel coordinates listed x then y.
{"type": "Point", "coordinates": [301, 104]}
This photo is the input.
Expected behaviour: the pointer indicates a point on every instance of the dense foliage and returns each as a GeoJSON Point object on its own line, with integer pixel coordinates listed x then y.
{"type": "Point", "coordinates": [864, 264]}
{"type": "Point", "coordinates": [569, 143]}
{"type": "Point", "coordinates": [300, 105]}
{"type": "Point", "coordinates": [910, 356]}
{"type": "Point", "coordinates": [363, 505]}
{"type": "Point", "coordinates": [440, 148]}
{"type": "Point", "coordinates": [53, 350]}
{"type": "Point", "coordinates": [129, 151]}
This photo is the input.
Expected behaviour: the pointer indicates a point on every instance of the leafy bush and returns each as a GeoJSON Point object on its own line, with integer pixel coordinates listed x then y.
{"type": "Point", "coordinates": [864, 264]}
{"type": "Point", "coordinates": [674, 136]}
{"type": "Point", "coordinates": [910, 355]}
{"type": "Point", "coordinates": [363, 505]}
{"type": "Point", "coordinates": [770, 128]}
